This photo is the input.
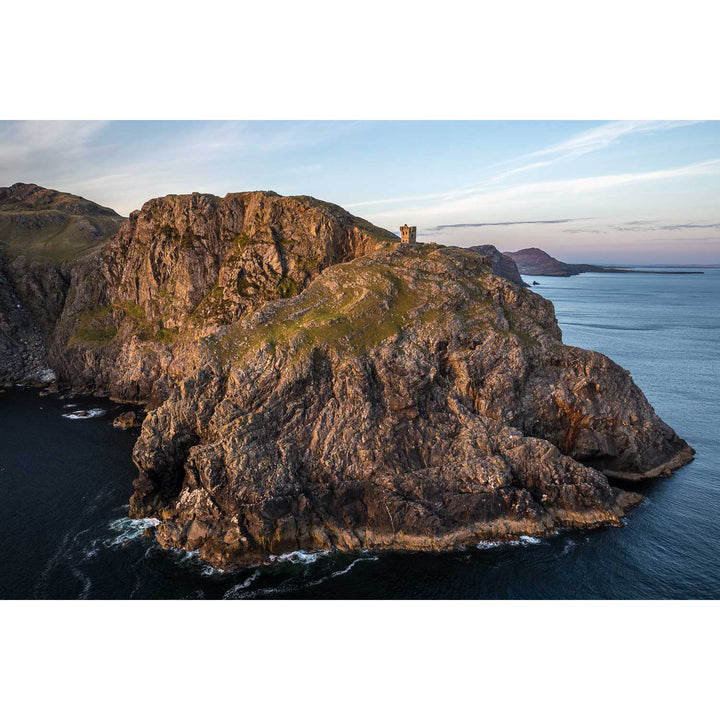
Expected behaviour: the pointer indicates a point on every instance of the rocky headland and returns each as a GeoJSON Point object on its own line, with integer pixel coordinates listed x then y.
{"type": "Point", "coordinates": [502, 265]}
{"type": "Point", "coordinates": [533, 261]}
{"type": "Point", "coordinates": [44, 236]}
{"type": "Point", "coordinates": [311, 383]}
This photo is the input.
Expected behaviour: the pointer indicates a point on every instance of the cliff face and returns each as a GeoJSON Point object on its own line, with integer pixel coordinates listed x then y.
{"type": "Point", "coordinates": [182, 267]}
{"type": "Point", "coordinates": [502, 264]}
{"type": "Point", "coordinates": [408, 399]}
{"type": "Point", "coordinates": [44, 234]}
{"type": "Point", "coordinates": [314, 384]}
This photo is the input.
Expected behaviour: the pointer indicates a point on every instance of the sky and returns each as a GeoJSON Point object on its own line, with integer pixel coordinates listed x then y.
{"type": "Point", "coordinates": [605, 191]}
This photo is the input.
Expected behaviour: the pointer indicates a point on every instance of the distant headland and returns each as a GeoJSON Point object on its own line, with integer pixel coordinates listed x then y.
{"type": "Point", "coordinates": [533, 261]}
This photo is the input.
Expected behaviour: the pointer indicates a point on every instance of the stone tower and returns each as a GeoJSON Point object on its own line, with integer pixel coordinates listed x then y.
{"type": "Point", "coordinates": [408, 234]}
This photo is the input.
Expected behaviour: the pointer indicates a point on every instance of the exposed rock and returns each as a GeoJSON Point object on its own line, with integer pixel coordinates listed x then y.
{"type": "Point", "coordinates": [22, 351]}
{"type": "Point", "coordinates": [313, 383]}
{"type": "Point", "coordinates": [533, 261]}
{"type": "Point", "coordinates": [126, 420]}
{"type": "Point", "coordinates": [43, 235]}
{"type": "Point", "coordinates": [502, 264]}
{"type": "Point", "coordinates": [183, 266]}
{"type": "Point", "coordinates": [409, 399]}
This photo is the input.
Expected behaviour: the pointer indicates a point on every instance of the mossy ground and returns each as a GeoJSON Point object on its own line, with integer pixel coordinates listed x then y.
{"type": "Point", "coordinates": [51, 237]}
{"type": "Point", "coordinates": [100, 326]}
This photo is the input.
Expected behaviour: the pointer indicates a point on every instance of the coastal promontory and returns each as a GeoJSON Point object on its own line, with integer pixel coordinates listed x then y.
{"type": "Point", "coordinates": [311, 383]}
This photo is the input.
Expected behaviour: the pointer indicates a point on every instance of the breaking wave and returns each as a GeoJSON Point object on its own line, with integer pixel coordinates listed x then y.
{"type": "Point", "coordinates": [522, 540]}
{"type": "Point", "coordinates": [127, 529]}
{"type": "Point", "coordinates": [300, 557]}
{"type": "Point", "coordinates": [84, 414]}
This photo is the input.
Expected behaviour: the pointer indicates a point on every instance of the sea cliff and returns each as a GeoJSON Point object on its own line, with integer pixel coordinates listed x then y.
{"type": "Point", "coordinates": [311, 383]}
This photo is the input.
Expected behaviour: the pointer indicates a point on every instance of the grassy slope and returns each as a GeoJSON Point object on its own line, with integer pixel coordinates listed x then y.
{"type": "Point", "coordinates": [51, 236]}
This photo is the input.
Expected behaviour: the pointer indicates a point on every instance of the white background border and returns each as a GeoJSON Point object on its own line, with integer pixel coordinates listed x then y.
{"type": "Point", "coordinates": [370, 60]}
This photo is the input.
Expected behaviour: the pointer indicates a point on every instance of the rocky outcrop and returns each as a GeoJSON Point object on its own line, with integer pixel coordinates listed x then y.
{"type": "Point", "coordinates": [44, 234]}
{"type": "Point", "coordinates": [184, 266]}
{"type": "Point", "coordinates": [502, 265]}
{"type": "Point", "coordinates": [314, 384]}
{"type": "Point", "coordinates": [126, 420]}
{"type": "Point", "coordinates": [408, 399]}
{"type": "Point", "coordinates": [533, 261]}
{"type": "Point", "coordinates": [22, 352]}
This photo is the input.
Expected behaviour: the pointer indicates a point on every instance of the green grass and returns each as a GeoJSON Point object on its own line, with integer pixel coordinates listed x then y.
{"type": "Point", "coordinates": [287, 287]}
{"type": "Point", "coordinates": [370, 309]}
{"type": "Point", "coordinates": [243, 240]}
{"type": "Point", "coordinates": [53, 237]}
{"type": "Point", "coordinates": [99, 326]}
{"type": "Point", "coordinates": [167, 336]}
{"type": "Point", "coordinates": [94, 327]}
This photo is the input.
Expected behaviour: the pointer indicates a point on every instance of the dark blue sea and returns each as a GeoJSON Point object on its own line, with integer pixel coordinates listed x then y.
{"type": "Point", "coordinates": [65, 483]}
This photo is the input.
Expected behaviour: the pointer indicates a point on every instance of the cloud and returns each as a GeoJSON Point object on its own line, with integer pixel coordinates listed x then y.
{"type": "Point", "coordinates": [584, 231]}
{"type": "Point", "coordinates": [23, 141]}
{"type": "Point", "coordinates": [644, 226]}
{"type": "Point", "coordinates": [605, 135]}
{"type": "Point", "coordinates": [502, 224]}
{"type": "Point", "coordinates": [589, 141]}
{"type": "Point", "coordinates": [537, 191]}
{"type": "Point", "coordinates": [691, 226]}
{"type": "Point", "coordinates": [652, 226]}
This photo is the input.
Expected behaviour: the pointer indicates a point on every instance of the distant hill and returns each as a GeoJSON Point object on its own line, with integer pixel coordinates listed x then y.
{"type": "Point", "coordinates": [533, 261]}
{"type": "Point", "coordinates": [51, 226]}
{"type": "Point", "coordinates": [502, 264]}
{"type": "Point", "coordinates": [44, 236]}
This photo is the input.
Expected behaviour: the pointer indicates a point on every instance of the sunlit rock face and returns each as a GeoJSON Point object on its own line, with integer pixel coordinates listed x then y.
{"type": "Point", "coordinates": [409, 399]}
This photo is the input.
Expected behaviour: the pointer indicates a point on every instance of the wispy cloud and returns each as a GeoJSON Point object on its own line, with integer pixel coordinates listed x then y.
{"type": "Point", "coordinates": [21, 141]}
{"type": "Point", "coordinates": [601, 137]}
{"type": "Point", "coordinates": [645, 226]}
{"type": "Point", "coordinates": [589, 141]}
{"type": "Point", "coordinates": [691, 226]}
{"type": "Point", "coordinates": [536, 191]}
{"type": "Point", "coordinates": [503, 224]}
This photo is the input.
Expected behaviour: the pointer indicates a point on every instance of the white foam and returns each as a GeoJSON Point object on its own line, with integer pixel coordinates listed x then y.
{"type": "Point", "coordinates": [487, 544]}
{"type": "Point", "coordinates": [522, 540]}
{"type": "Point", "coordinates": [128, 529]}
{"type": "Point", "coordinates": [300, 557]}
{"type": "Point", "coordinates": [86, 582]}
{"type": "Point", "coordinates": [210, 571]}
{"type": "Point", "coordinates": [47, 376]}
{"type": "Point", "coordinates": [84, 414]}
{"type": "Point", "coordinates": [234, 591]}
{"type": "Point", "coordinates": [352, 565]}
{"type": "Point", "coordinates": [186, 557]}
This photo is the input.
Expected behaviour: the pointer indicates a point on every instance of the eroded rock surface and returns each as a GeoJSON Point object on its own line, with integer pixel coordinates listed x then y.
{"type": "Point", "coordinates": [502, 264]}
{"type": "Point", "coordinates": [314, 384]}
{"type": "Point", "coordinates": [408, 399]}
{"type": "Point", "coordinates": [44, 235]}
{"type": "Point", "coordinates": [183, 266]}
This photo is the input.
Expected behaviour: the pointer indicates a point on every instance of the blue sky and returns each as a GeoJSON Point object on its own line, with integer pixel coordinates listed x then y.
{"type": "Point", "coordinates": [623, 191]}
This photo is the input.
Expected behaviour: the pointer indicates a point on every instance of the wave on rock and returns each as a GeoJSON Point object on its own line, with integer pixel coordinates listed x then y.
{"type": "Point", "coordinates": [300, 557]}
{"type": "Point", "coordinates": [84, 414]}
{"type": "Point", "coordinates": [522, 540]}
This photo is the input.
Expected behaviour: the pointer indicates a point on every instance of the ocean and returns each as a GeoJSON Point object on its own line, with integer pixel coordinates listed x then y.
{"type": "Point", "coordinates": [65, 483]}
